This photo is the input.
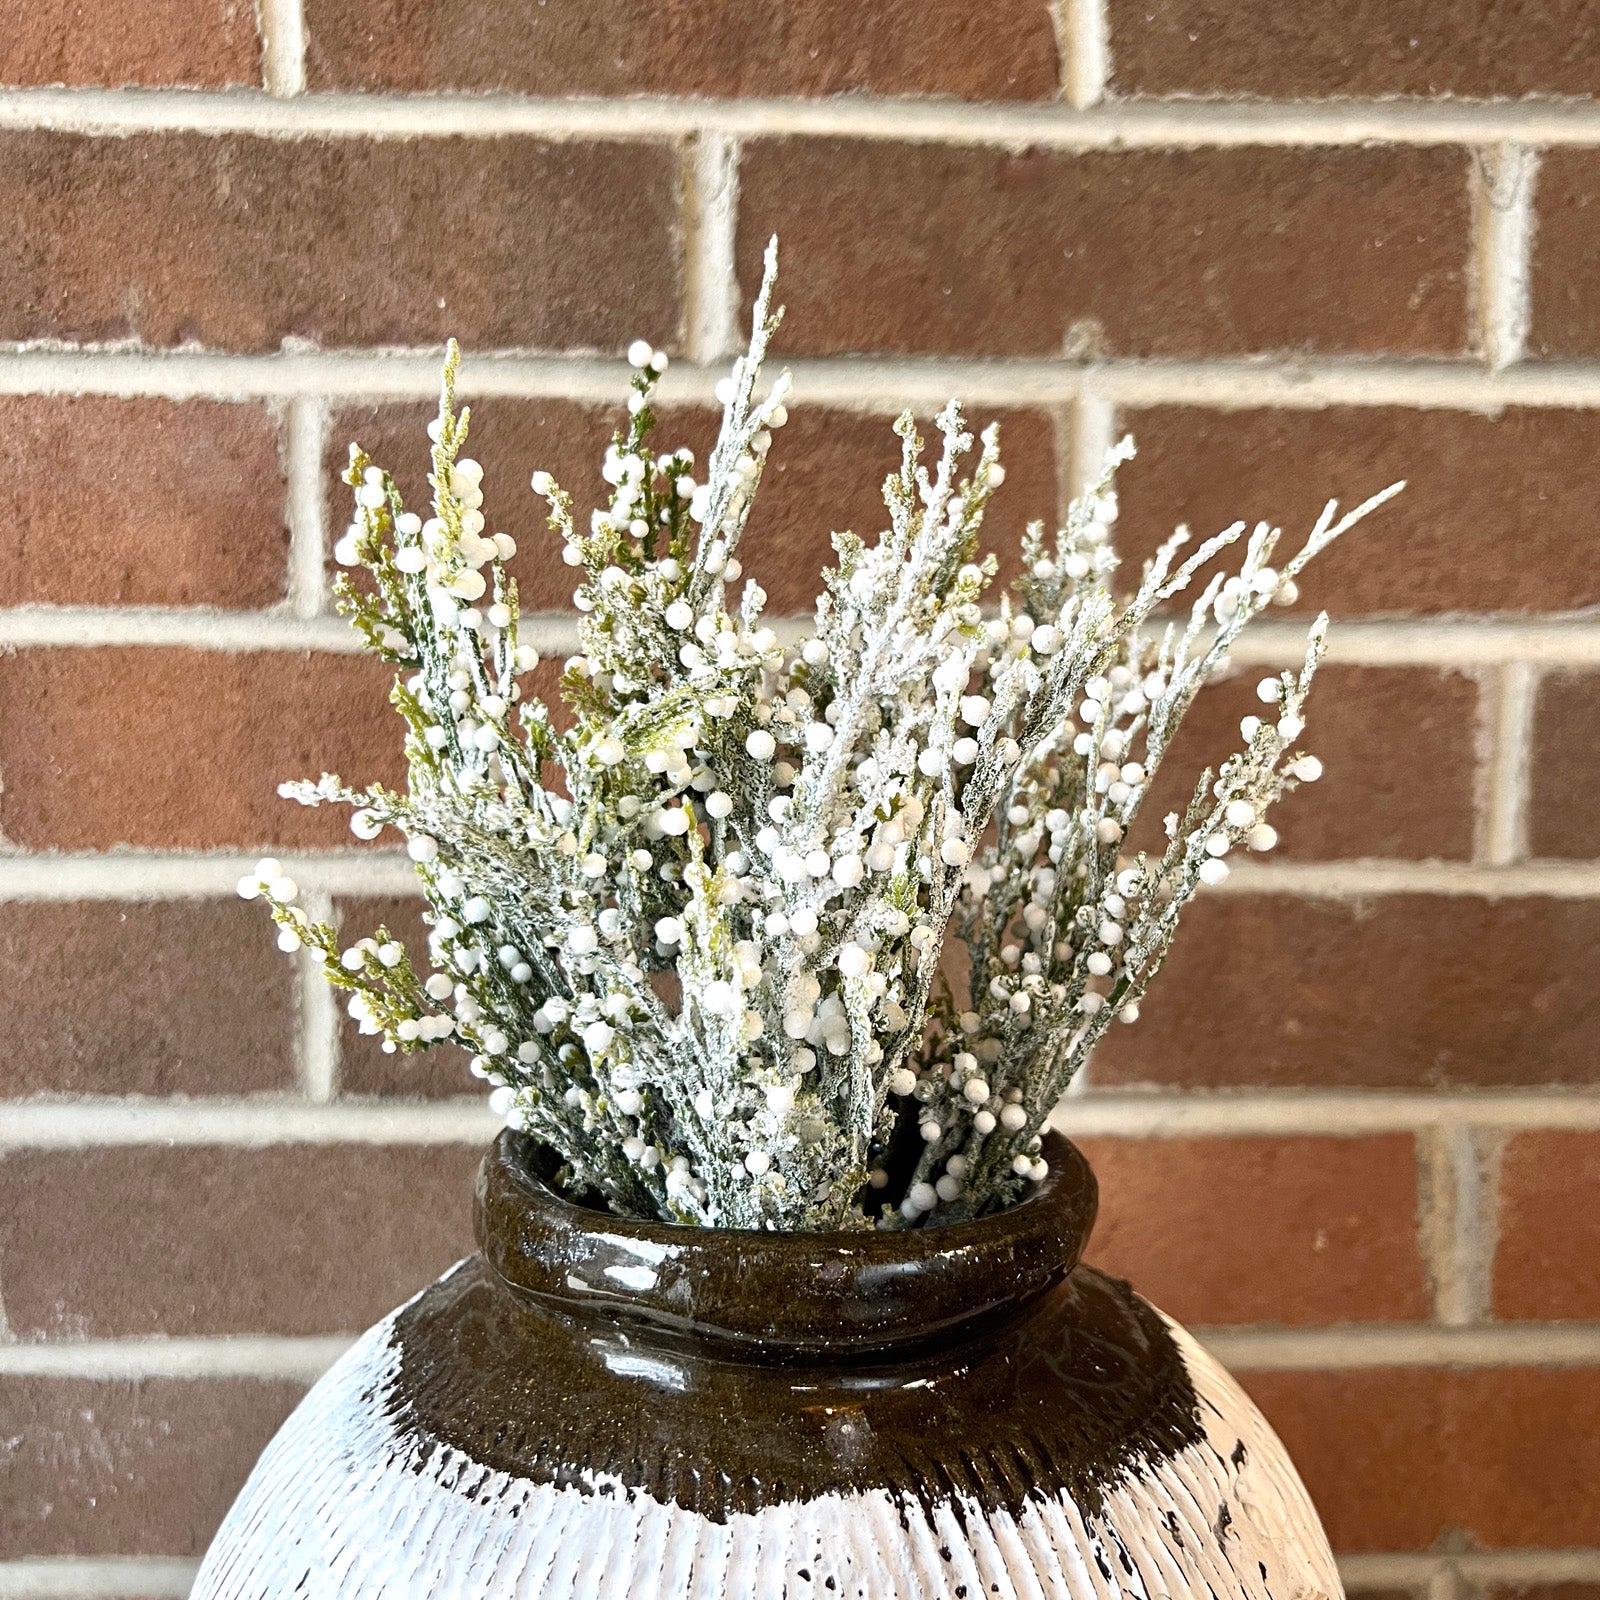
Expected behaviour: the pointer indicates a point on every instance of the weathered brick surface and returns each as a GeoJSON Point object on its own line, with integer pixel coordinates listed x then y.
{"type": "Point", "coordinates": [185, 997]}
{"type": "Point", "coordinates": [939, 246]}
{"type": "Point", "coordinates": [1549, 1226]}
{"type": "Point", "coordinates": [1400, 991]}
{"type": "Point", "coordinates": [1564, 819]}
{"type": "Point", "coordinates": [1397, 746]}
{"type": "Point", "coordinates": [139, 502]}
{"type": "Point", "coordinates": [1332, 1234]}
{"type": "Point", "coordinates": [1489, 520]}
{"type": "Point", "coordinates": [290, 1239]}
{"type": "Point", "coordinates": [922, 248]}
{"type": "Point", "coordinates": [825, 473]}
{"type": "Point", "coordinates": [241, 242]}
{"type": "Point", "coordinates": [1398, 1458]}
{"type": "Point", "coordinates": [208, 44]}
{"type": "Point", "coordinates": [128, 1468]}
{"type": "Point", "coordinates": [364, 1068]}
{"type": "Point", "coordinates": [177, 749]}
{"type": "Point", "coordinates": [1477, 48]}
{"type": "Point", "coordinates": [1005, 51]}
{"type": "Point", "coordinates": [1566, 255]}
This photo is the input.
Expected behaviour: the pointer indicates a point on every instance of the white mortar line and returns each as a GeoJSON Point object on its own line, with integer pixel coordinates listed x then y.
{"type": "Point", "coordinates": [247, 1124]}
{"type": "Point", "coordinates": [318, 1043]}
{"type": "Point", "coordinates": [194, 628]}
{"type": "Point", "coordinates": [1456, 1224]}
{"type": "Point", "coordinates": [253, 1124]}
{"type": "Point", "coordinates": [1436, 1215]}
{"type": "Point", "coordinates": [1445, 1584]}
{"type": "Point", "coordinates": [203, 628]}
{"type": "Point", "coordinates": [1486, 745]}
{"type": "Point", "coordinates": [381, 374]}
{"type": "Point", "coordinates": [127, 875]}
{"type": "Point", "coordinates": [305, 1359]}
{"type": "Point", "coordinates": [1503, 218]}
{"type": "Point", "coordinates": [710, 212]}
{"type": "Point", "coordinates": [1081, 38]}
{"type": "Point", "coordinates": [1510, 770]}
{"type": "Point", "coordinates": [97, 1578]}
{"type": "Point", "coordinates": [867, 383]}
{"type": "Point", "coordinates": [1473, 1244]}
{"type": "Point", "coordinates": [1338, 1113]}
{"type": "Point", "coordinates": [1357, 880]}
{"type": "Point", "coordinates": [1403, 1345]}
{"type": "Point", "coordinates": [1533, 1567]}
{"type": "Point", "coordinates": [1094, 431]}
{"type": "Point", "coordinates": [1488, 1147]}
{"type": "Point", "coordinates": [1246, 383]}
{"type": "Point", "coordinates": [1484, 641]}
{"type": "Point", "coordinates": [131, 875]}
{"type": "Point", "coordinates": [1425, 641]}
{"type": "Point", "coordinates": [1243, 1349]}
{"type": "Point", "coordinates": [1141, 124]}
{"type": "Point", "coordinates": [305, 442]}
{"type": "Point", "coordinates": [283, 47]}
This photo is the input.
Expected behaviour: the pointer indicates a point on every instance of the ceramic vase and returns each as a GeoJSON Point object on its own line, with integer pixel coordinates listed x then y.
{"type": "Point", "coordinates": [594, 1407]}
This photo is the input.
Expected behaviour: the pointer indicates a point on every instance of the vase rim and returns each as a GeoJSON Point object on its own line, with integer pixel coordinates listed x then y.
{"type": "Point", "coordinates": [779, 1296]}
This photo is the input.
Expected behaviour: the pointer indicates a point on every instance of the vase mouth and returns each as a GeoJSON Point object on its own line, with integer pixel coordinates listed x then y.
{"type": "Point", "coordinates": [805, 1297]}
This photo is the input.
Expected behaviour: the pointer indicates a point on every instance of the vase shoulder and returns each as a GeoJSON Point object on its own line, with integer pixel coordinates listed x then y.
{"type": "Point", "coordinates": [591, 1410]}
{"type": "Point", "coordinates": [1074, 1391]}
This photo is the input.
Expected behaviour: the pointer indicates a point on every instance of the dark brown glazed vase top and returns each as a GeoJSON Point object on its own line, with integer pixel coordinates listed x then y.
{"type": "Point", "coordinates": [816, 1297]}
{"type": "Point", "coordinates": [722, 1370]}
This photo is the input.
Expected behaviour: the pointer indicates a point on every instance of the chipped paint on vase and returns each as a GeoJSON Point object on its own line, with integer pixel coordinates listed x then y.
{"type": "Point", "coordinates": [594, 1408]}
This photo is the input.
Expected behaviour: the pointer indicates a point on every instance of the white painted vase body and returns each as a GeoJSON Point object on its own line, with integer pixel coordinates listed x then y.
{"type": "Point", "coordinates": [597, 1408]}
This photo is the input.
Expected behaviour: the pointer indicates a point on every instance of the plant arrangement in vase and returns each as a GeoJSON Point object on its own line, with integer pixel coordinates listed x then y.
{"type": "Point", "coordinates": [694, 937]}
{"type": "Point", "coordinates": [779, 1290]}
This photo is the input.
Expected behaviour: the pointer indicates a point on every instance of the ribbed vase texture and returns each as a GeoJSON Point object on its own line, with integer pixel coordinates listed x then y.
{"type": "Point", "coordinates": [601, 1409]}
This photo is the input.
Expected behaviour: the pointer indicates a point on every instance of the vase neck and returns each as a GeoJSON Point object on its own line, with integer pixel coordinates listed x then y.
{"type": "Point", "coordinates": [812, 1298]}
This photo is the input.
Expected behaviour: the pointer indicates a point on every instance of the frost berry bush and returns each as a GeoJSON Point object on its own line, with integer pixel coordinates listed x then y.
{"type": "Point", "coordinates": [694, 938]}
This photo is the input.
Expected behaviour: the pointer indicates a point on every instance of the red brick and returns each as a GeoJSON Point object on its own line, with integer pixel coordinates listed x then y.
{"type": "Point", "coordinates": [209, 44]}
{"type": "Point", "coordinates": [502, 242]}
{"type": "Point", "coordinates": [1332, 1234]}
{"type": "Point", "coordinates": [1565, 772]}
{"type": "Point", "coordinates": [1549, 1226]}
{"type": "Point", "coordinates": [1393, 992]}
{"type": "Point", "coordinates": [139, 502]}
{"type": "Point", "coordinates": [184, 749]}
{"type": "Point", "coordinates": [1486, 523]}
{"type": "Point", "coordinates": [128, 1468]}
{"type": "Point", "coordinates": [364, 1069]}
{"type": "Point", "coordinates": [1398, 748]}
{"type": "Point", "coordinates": [1398, 1458]}
{"type": "Point", "coordinates": [825, 473]}
{"type": "Point", "coordinates": [1153, 252]}
{"type": "Point", "coordinates": [1481, 48]}
{"type": "Point", "coordinates": [1005, 51]}
{"type": "Point", "coordinates": [1566, 255]}
{"type": "Point", "coordinates": [137, 1240]}
{"type": "Point", "coordinates": [112, 998]}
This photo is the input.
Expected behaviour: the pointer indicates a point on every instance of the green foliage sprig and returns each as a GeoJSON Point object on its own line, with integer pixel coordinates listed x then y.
{"type": "Point", "coordinates": [693, 937]}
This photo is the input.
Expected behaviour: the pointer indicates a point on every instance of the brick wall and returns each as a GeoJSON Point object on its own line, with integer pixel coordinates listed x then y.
{"type": "Point", "coordinates": [1356, 1139]}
